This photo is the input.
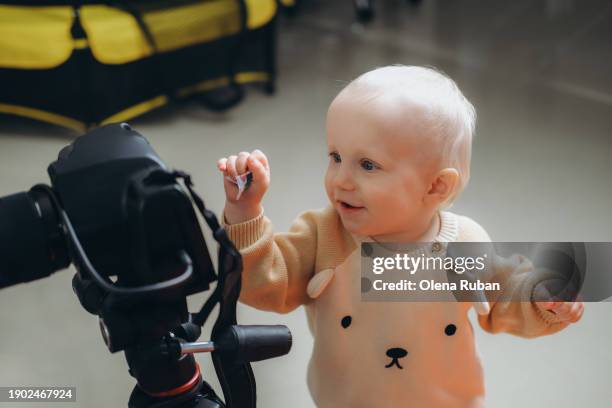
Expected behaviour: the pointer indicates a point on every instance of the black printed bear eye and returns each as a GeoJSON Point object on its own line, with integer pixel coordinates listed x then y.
{"type": "Point", "coordinates": [346, 321]}
{"type": "Point", "coordinates": [450, 329]}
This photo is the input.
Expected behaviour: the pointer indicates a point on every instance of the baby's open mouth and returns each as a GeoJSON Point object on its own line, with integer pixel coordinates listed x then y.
{"type": "Point", "coordinates": [348, 206]}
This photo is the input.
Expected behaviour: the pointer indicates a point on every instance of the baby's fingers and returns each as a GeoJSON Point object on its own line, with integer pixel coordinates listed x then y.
{"type": "Point", "coordinates": [576, 312]}
{"type": "Point", "coordinates": [260, 173]}
{"type": "Point", "coordinates": [261, 157]}
{"type": "Point", "coordinates": [568, 311]}
{"type": "Point", "coordinates": [241, 163]}
{"type": "Point", "coordinates": [222, 164]}
{"type": "Point", "coordinates": [562, 309]}
{"type": "Point", "coordinates": [231, 166]}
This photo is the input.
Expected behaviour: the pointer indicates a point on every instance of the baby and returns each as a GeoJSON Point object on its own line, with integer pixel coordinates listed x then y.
{"type": "Point", "coordinates": [399, 141]}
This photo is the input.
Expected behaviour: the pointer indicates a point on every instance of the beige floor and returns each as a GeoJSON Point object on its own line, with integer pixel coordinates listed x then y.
{"type": "Point", "coordinates": [539, 75]}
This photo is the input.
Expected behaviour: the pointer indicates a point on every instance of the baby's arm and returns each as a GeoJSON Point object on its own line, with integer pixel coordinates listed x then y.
{"type": "Point", "coordinates": [276, 267]}
{"type": "Point", "coordinates": [518, 280]}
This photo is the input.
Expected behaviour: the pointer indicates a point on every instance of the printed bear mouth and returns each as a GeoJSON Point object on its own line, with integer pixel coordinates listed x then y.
{"type": "Point", "coordinates": [393, 362]}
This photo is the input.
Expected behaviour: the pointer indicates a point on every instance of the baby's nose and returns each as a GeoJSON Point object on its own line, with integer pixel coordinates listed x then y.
{"type": "Point", "coordinates": [344, 180]}
{"type": "Point", "coordinates": [397, 352]}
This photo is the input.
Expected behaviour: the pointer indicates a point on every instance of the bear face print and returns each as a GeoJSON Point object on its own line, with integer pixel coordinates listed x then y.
{"type": "Point", "coordinates": [399, 350]}
{"type": "Point", "coordinates": [396, 353]}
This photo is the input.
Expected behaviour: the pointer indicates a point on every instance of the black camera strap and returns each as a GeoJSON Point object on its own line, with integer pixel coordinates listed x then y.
{"type": "Point", "coordinates": [236, 378]}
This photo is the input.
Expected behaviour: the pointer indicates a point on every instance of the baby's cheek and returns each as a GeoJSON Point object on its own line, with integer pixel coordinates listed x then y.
{"type": "Point", "coordinates": [327, 184]}
{"type": "Point", "coordinates": [382, 203]}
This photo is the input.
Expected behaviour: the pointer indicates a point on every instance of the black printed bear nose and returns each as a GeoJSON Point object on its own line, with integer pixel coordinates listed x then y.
{"type": "Point", "coordinates": [396, 352]}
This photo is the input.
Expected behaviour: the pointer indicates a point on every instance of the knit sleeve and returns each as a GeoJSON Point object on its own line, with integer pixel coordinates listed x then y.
{"type": "Point", "coordinates": [276, 266]}
{"type": "Point", "coordinates": [518, 279]}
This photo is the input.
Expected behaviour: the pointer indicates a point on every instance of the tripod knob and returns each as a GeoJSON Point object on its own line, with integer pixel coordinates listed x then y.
{"type": "Point", "coordinates": [254, 343]}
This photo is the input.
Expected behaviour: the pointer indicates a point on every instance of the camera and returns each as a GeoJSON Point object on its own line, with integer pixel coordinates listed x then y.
{"type": "Point", "coordinates": [128, 225]}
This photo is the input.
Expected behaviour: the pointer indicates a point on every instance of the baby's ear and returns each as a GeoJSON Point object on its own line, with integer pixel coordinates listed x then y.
{"type": "Point", "coordinates": [443, 186]}
{"type": "Point", "coordinates": [319, 282]}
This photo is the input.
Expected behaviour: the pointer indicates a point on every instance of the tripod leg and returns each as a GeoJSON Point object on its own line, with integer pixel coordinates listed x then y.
{"type": "Point", "coordinates": [201, 396]}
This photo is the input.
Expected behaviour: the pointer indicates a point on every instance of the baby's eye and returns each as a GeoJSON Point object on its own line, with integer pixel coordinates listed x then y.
{"type": "Point", "coordinates": [368, 165]}
{"type": "Point", "coordinates": [335, 157]}
{"type": "Point", "coordinates": [346, 321]}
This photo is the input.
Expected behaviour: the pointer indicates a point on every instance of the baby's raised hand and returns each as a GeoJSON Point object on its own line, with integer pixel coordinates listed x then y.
{"type": "Point", "coordinates": [247, 205]}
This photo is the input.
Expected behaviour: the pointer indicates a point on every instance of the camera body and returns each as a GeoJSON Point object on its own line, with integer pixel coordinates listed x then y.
{"type": "Point", "coordinates": [131, 227]}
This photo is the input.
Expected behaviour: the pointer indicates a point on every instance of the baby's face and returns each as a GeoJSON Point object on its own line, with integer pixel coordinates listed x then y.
{"type": "Point", "coordinates": [379, 172]}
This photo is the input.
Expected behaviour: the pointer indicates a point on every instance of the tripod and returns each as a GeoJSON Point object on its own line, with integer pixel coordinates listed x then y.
{"type": "Point", "coordinates": [159, 336]}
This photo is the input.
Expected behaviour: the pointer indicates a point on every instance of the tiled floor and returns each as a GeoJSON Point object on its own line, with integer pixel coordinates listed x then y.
{"type": "Point", "coordinates": [539, 75]}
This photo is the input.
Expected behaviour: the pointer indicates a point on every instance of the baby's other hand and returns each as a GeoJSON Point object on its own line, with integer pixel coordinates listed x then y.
{"type": "Point", "coordinates": [567, 312]}
{"type": "Point", "coordinates": [248, 206]}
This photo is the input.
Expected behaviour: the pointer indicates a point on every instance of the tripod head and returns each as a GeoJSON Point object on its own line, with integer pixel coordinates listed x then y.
{"type": "Point", "coordinates": [123, 219]}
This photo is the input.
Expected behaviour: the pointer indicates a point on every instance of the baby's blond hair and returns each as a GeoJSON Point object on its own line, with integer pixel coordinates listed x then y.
{"type": "Point", "coordinates": [451, 117]}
